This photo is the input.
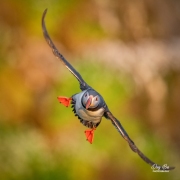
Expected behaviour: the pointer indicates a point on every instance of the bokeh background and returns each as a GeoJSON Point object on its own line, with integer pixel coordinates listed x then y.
{"type": "Point", "coordinates": [129, 51]}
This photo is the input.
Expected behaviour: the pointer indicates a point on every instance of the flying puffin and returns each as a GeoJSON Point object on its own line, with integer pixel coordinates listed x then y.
{"type": "Point", "coordinates": [89, 106]}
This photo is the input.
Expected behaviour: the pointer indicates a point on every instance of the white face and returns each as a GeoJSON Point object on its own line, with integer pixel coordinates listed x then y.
{"type": "Point", "coordinates": [90, 101]}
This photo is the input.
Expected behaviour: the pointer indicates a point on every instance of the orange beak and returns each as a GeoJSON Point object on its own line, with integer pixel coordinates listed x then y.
{"type": "Point", "coordinates": [88, 102]}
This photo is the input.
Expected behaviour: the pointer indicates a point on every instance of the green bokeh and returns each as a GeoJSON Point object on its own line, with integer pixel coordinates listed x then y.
{"type": "Point", "coordinates": [40, 138]}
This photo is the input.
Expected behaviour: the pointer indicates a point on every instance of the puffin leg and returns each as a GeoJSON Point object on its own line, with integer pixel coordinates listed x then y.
{"type": "Point", "coordinates": [64, 100]}
{"type": "Point", "coordinates": [90, 134]}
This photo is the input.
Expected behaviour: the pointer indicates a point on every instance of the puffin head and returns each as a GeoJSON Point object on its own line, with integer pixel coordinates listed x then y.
{"type": "Point", "coordinates": [91, 100]}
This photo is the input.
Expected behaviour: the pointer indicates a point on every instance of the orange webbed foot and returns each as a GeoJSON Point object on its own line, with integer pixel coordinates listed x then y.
{"type": "Point", "coordinates": [64, 100]}
{"type": "Point", "coordinates": [89, 135]}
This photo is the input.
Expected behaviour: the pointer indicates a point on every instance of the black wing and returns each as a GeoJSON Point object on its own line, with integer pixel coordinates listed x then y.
{"type": "Point", "coordinates": [124, 134]}
{"type": "Point", "coordinates": [83, 84]}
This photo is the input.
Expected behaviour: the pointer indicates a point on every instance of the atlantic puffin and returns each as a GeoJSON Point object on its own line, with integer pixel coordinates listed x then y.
{"type": "Point", "coordinates": [89, 106]}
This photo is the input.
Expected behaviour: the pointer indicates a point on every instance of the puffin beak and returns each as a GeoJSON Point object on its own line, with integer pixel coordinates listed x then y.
{"type": "Point", "coordinates": [88, 104]}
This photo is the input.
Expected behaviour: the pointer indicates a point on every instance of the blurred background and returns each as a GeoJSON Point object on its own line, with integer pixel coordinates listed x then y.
{"type": "Point", "coordinates": [129, 51]}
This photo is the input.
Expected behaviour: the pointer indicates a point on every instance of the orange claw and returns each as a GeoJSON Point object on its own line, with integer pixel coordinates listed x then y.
{"type": "Point", "coordinates": [89, 135]}
{"type": "Point", "coordinates": [64, 100]}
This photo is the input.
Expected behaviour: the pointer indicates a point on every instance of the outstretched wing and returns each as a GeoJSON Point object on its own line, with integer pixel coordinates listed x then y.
{"type": "Point", "coordinates": [124, 134]}
{"type": "Point", "coordinates": [83, 84]}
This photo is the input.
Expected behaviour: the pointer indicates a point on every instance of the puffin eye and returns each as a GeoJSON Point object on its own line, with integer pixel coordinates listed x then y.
{"type": "Point", "coordinates": [96, 99]}
{"type": "Point", "coordinates": [85, 95]}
